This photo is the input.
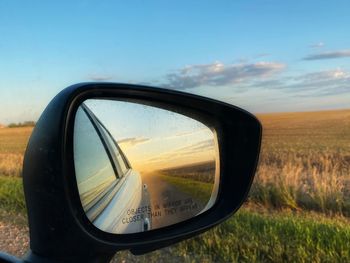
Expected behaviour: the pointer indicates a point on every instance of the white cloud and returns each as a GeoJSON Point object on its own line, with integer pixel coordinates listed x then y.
{"type": "Point", "coordinates": [322, 75]}
{"type": "Point", "coordinates": [329, 55]}
{"type": "Point", "coordinates": [129, 142]}
{"type": "Point", "coordinates": [316, 84]}
{"type": "Point", "coordinates": [219, 74]}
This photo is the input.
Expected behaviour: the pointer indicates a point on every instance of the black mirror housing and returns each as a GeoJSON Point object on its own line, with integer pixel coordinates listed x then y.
{"type": "Point", "coordinates": [59, 228]}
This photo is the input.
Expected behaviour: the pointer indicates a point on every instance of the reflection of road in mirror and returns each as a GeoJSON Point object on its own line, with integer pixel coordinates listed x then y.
{"type": "Point", "coordinates": [169, 204]}
{"type": "Point", "coordinates": [172, 195]}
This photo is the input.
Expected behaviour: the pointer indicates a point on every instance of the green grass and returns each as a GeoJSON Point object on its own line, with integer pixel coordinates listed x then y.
{"type": "Point", "coordinates": [11, 194]}
{"type": "Point", "coordinates": [252, 235]}
{"type": "Point", "coordinates": [12, 204]}
{"type": "Point", "coordinates": [263, 237]}
{"type": "Point", "coordinates": [198, 190]}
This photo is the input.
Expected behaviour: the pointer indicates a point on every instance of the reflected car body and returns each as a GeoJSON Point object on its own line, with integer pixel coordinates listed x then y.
{"type": "Point", "coordinates": [111, 192]}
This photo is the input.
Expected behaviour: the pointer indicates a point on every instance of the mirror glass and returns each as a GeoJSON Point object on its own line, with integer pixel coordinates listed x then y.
{"type": "Point", "coordinates": [140, 167]}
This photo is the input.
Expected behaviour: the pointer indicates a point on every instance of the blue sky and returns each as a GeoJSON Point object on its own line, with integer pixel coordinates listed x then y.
{"type": "Point", "coordinates": [264, 56]}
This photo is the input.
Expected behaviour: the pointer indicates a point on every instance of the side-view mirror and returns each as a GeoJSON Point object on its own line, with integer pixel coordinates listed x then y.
{"type": "Point", "coordinates": [111, 167]}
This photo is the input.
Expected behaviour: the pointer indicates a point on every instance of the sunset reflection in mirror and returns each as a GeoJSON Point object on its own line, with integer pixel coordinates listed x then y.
{"type": "Point", "coordinates": [153, 138]}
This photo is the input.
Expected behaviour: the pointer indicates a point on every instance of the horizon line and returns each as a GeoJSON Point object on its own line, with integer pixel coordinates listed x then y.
{"type": "Point", "coordinates": [6, 124]}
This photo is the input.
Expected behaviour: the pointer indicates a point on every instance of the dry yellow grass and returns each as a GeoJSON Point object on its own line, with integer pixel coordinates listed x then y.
{"type": "Point", "coordinates": [13, 142]}
{"type": "Point", "coordinates": [304, 164]}
{"type": "Point", "coordinates": [305, 161]}
{"type": "Point", "coordinates": [11, 164]}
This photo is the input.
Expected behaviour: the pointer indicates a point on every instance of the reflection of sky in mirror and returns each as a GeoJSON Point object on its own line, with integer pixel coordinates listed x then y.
{"type": "Point", "coordinates": [153, 136]}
